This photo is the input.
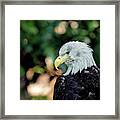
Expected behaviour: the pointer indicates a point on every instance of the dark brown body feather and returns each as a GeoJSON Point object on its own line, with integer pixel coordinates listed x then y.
{"type": "Point", "coordinates": [81, 86]}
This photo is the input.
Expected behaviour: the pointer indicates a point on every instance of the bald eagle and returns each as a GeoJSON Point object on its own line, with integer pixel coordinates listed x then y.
{"type": "Point", "coordinates": [81, 81]}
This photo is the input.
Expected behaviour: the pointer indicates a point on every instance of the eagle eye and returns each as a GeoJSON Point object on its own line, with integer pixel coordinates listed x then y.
{"type": "Point", "coordinates": [67, 52]}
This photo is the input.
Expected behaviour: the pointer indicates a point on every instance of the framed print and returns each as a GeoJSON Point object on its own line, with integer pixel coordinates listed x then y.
{"type": "Point", "coordinates": [60, 59]}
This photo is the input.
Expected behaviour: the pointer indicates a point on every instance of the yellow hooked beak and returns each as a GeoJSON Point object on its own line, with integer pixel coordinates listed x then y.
{"type": "Point", "coordinates": [60, 60]}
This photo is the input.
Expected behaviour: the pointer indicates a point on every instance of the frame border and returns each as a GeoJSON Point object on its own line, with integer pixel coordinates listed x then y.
{"type": "Point", "coordinates": [52, 2]}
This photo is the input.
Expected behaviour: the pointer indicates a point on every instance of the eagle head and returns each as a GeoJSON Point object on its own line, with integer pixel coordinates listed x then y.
{"type": "Point", "coordinates": [76, 55]}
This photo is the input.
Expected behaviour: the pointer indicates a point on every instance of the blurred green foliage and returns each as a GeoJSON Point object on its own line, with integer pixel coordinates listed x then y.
{"type": "Point", "coordinates": [38, 69]}
{"type": "Point", "coordinates": [39, 39]}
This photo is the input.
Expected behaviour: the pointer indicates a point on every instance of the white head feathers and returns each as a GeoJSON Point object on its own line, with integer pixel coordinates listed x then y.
{"type": "Point", "coordinates": [80, 56]}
